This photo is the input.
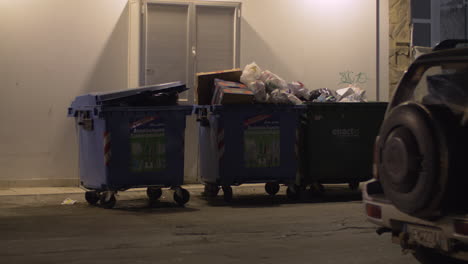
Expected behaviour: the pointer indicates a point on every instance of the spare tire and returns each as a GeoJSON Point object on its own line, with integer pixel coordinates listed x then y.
{"type": "Point", "coordinates": [410, 146]}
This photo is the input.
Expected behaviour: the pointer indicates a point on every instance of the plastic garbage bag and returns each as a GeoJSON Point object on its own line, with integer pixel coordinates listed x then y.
{"type": "Point", "coordinates": [259, 90]}
{"type": "Point", "coordinates": [322, 95]}
{"type": "Point", "coordinates": [279, 96]}
{"type": "Point", "coordinates": [299, 90]}
{"type": "Point", "coordinates": [294, 100]}
{"type": "Point", "coordinates": [251, 73]}
{"type": "Point", "coordinates": [351, 94]}
{"type": "Point", "coordinates": [272, 81]}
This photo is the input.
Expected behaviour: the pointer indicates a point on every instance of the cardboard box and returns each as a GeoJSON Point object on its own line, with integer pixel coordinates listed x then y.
{"type": "Point", "coordinates": [231, 93]}
{"type": "Point", "coordinates": [205, 83]}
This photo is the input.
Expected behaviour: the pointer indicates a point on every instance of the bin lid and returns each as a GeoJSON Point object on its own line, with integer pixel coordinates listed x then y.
{"type": "Point", "coordinates": [91, 100]}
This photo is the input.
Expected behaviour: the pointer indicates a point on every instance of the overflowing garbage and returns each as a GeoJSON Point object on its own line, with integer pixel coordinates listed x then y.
{"type": "Point", "coordinates": [263, 86]}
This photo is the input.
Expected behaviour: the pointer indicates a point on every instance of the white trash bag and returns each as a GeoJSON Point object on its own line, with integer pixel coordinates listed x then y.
{"type": "Point", "coordinates": [272, 81]}
{"type": "Point", "coordinates": [351, 94]}
{"type": "Point", "coordinates": [251, 73]}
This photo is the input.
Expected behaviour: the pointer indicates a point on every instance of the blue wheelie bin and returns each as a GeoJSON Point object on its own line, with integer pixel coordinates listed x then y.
{"type": "Point", "coordinates": [248, 144]}
{"type": "Point", "coordinates": [131, 138]}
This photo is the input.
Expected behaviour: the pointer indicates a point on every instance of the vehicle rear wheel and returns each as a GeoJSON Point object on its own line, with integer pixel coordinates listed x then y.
{"type": "Point", "coordinates": [409, 162]}
{"type": "Point", "coordinates": [430, 256]}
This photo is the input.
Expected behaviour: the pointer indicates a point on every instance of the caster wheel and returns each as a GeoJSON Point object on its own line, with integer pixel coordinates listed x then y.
{"type": "Point", "coordinates": [227, 191]}
{"type": "Point", "coordinates": [181, 196]}
{"type": "Point", "coordinates": [154, 193]}
{"type": "Point", "coordinates": [316, 190]}
{"type": "Point", "coordinates": [293, 192]}
{"type": "Point", "coordinates": [272, 188]}
{"type": "Point", "coordinates": [107, 202]}
{"type": "Point", "coordinates": [353, 185]}
{"type": "Point", "coordinates": [321, 188]}
{"type": "Point", "coordinates": [92, 197]}
{"type": "Point", "coordinates": [211, 190]}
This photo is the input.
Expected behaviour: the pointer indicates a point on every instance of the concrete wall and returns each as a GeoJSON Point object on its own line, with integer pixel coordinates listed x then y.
{"type": "Point", "coordinates": [54, 50]}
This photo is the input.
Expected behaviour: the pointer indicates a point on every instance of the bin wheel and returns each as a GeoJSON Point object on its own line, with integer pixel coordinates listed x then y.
{"type": "Point", "coordinates": [293, 192]}
{"type": "Point", "coordinates": [321, 188]}
{"type": "Point", "coordinates": [107, 200]}
{"type": "Point", "coordinates": [181, 196]}
{"type": "Point", "coordinates": [353, 185]}
{"type": "Point", "coordinates": [317, 189]}
{"type": "Point", "coordinates": [92, 197]}
{"type": "Point", "coordinates": [272, 188]}
{"type": "Point", "coordinates": [154, 193]}
{"type": "Point", "coordinates": [211, 190]}
{"type": "Point", "coordinates": [227, 193]}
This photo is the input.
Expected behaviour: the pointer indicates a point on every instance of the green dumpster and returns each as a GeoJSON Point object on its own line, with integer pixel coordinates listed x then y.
{"type": "Point", "coordinates": [338, 142]}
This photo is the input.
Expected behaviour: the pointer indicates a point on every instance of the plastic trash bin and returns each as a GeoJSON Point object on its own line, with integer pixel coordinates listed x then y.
{"type": "Point", "coordinates": [123, 143]}
{"type": "Point", "coordinates": [338, 142]}
{"type": "Point", "coordinates": [248, 144]}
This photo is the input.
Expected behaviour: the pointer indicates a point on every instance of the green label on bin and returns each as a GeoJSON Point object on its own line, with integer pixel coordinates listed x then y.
{"type": "Point", "coordinates": [262, 141]}
{"type": "Point", "coordinates": [148, 145]}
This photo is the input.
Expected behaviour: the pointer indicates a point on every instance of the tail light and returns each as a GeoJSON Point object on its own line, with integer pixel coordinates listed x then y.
{"type": "Point", "coordinates": [374, 211]}
{"type": "Point", "coordinates": [375, 164]}
{"type": "Point", "coordinates": [461, 227]}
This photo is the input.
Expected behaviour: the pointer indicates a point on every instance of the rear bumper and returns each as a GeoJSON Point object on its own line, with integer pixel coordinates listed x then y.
{"type": "Point", "coordinates": [399, 223]}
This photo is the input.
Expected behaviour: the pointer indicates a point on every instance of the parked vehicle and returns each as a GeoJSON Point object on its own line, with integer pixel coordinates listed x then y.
{"type": "Point", "coordinates": [420, 188]}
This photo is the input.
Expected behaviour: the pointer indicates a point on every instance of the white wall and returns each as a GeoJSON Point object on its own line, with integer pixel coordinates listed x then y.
{"type": "Point", "coordinates": [312, 40]}
{"type": "Point", "coordinates": [54, 50]}
{"type": "Point", "coordinates": [50, 52]}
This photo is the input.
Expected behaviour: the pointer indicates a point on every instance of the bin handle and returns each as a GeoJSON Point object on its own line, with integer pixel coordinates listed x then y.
{"type": "Point", "coordinates": [86, 124]}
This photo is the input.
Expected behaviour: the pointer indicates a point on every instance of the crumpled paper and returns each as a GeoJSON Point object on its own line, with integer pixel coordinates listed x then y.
{"type": "Point", "coordinates": [69, 201]}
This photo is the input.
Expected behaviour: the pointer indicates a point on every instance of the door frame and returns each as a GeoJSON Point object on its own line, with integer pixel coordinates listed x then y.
{"type": "Point", "coordinates": [237, 27]}
{"type": "Point", "coordinates": [191, 39]}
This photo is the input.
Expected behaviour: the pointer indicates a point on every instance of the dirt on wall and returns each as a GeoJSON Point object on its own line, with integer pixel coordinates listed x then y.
{"type": "Point", "coordinates": [400, 40]}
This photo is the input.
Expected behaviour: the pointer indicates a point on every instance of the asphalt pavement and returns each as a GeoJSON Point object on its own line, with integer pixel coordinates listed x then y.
{"type": "Point", "coordinates": [253, 228]}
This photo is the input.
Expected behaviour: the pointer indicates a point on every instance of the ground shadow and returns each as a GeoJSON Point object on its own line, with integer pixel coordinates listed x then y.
{"type": "Point", "coordinates": [147, 206]}
{"type": "Point", "coordinates": [259, 199]}
{"type": "Point", "coordinates": [108, 74]}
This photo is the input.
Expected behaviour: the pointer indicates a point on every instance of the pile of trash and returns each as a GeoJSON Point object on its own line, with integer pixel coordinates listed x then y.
{"type": "Point", "coordinates": [268, 87]}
